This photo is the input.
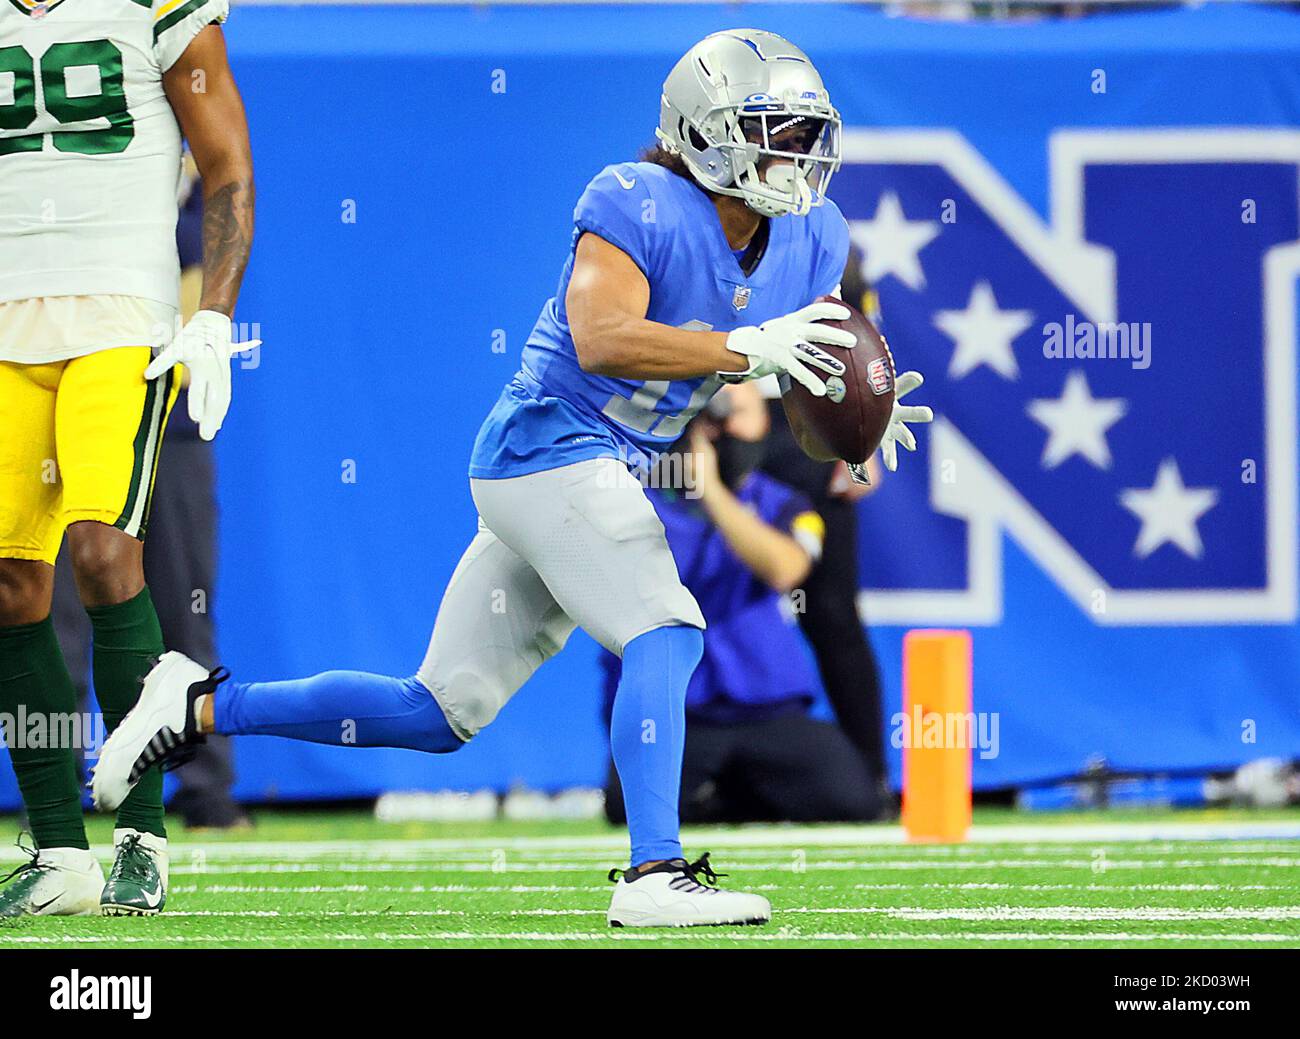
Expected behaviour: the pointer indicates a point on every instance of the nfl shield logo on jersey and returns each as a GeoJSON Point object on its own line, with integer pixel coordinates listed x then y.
{"type": "Point", "coordinates": [740, 299]}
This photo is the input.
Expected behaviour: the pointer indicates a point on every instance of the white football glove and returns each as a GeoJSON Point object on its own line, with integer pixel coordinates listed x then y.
{"type": "Point", "coordinates": [204, 347]}
{"type": "Point", "coordinates": [896, 432]}
{"type": "Point", "coordinates": [786, 345]}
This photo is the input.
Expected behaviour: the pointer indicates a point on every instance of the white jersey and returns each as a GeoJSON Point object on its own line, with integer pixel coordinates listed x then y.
{"type": "Point", "coordinates": [90, 151]}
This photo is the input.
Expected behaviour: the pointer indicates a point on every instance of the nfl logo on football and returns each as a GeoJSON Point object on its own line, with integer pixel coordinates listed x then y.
{"type": "Point", "coordinates": [880, 376]}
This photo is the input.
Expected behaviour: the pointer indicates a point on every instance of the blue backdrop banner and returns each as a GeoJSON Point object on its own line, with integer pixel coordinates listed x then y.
{"type": "Point", "coordinates": [1118, 531]}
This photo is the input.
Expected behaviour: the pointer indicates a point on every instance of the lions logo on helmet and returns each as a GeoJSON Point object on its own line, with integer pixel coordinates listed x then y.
{"type": "Point", "coordinates": [750, 117]}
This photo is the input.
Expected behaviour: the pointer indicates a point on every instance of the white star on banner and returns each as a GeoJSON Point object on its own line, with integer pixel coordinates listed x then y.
{"type": "Point", "coordinates": [890, 243]}
{"type": "Point", "coordinates": [1076, 423]}
{"type": "Point", "coordinates": [1169, 511]}
{"type": "Point", "coordinates": [983, 333]}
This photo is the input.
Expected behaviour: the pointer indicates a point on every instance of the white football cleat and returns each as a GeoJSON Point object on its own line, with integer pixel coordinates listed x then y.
{"type": "Point", "coordinates": [159, 730]}
{"type": "Point", "coordinates": [671, 894]}
{"type": "Point", "coordinates": [56, 882]}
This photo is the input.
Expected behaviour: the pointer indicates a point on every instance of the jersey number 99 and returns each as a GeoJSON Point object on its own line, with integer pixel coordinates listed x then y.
{"type": "Point", "coordinates": [67, 107]}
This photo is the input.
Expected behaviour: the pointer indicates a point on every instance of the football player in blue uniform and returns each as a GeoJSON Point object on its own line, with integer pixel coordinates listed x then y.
{"type": "Point", "coordinates": [697, 267]}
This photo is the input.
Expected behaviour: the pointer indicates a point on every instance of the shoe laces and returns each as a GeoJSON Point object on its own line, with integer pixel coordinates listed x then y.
{"type": "Point", "coordinates": [33, 863]}
{"type": "Point", "coordinates": [131, 861]}
{"type": "Point", "coordinates": [694, 876]}
{"type": "Point", "coordinates": [701, 867]}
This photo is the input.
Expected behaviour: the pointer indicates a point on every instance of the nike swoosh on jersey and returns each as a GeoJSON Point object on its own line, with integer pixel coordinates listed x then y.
{"type": "Point", "coordinates": [627, 184]}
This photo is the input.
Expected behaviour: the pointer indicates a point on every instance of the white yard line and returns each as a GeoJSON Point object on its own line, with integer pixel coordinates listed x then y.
{"type": "Point", "coordinates": [302, 939]}
{"type": "Point", "coordinates": [551, 889]}
{"type": "Point", "coordinates": [615, 842]}
{"type": "Point", "coordinates": [734, 856]}
{"type": "Point", "coordinates": [392, 914]}
{"type": "Point", "coordinates": [508, 866]}
{"type": "Point", "coordinates": [407, 851]}
{"type": "Point", "coordinates": [404, 889]}
{"type": "Point", "coordinates": [1143, 914]}
{"type": "Point", "coordinates": [987, 914]}
{"type": "Point", "coordinates": [1103, 888]}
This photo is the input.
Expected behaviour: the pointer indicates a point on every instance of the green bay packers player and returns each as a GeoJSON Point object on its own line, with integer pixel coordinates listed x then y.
{"type": "Point", "coordinates": [94, 98]}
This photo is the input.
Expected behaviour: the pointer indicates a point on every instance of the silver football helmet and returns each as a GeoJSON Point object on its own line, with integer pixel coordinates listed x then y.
{"type": "Point", "coordinates": [749, 115]}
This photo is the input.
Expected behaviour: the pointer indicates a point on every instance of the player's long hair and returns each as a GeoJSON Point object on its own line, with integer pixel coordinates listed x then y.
{"type": "Point", "coordinates": [671, 161]}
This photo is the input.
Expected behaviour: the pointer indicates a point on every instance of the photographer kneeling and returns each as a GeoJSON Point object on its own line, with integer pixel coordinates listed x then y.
{"type": "Point", "coordinates": [743, 541]}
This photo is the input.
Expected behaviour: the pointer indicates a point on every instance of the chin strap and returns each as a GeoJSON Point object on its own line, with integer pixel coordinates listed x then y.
{"type": "Point", "coordinates": [787, 180]}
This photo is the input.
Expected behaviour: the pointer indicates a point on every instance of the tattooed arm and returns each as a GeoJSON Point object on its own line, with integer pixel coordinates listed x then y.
{"type": "Point", "coordinates": [203, 95]}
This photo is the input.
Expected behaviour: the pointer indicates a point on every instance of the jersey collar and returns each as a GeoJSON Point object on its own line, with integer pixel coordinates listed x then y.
{"type": "Point", "coordinates": [777, 237]}
{"type": "Point", "coordinates": [36, 8]}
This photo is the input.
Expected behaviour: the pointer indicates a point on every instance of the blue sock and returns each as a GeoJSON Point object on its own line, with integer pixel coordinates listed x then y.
{"type": "Point", "coordinates": [648, 736]}
{"type": "Point", "coordinates": [341, 707]}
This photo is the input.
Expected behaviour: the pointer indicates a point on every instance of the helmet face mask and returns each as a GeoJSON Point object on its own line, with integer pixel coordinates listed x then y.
{"type": "Point", "coordinates": [748, 114]}
{"type": "Point", "coordinates": [797, 155]}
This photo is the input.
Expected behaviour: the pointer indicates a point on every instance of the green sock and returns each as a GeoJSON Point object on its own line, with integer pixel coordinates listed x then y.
{"type": "Point", "coordinates": [127, 643]}
{"type": "Point", "coordinates": [35, 685]}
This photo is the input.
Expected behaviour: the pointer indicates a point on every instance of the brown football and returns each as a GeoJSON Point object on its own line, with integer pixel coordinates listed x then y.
{"type": "Point", "coordinates": [850, 420]}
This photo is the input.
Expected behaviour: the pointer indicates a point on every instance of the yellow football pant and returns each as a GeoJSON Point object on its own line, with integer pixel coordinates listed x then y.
{"type": "Point", "coordinates": [79, 440]}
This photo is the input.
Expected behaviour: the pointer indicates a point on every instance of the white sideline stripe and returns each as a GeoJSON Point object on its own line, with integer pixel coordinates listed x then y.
{"type": "Point", "coordinates": [406, 889]}
{"type": "Point", "coordinates": [550, 889]}
{"type": "Point", "coordinates": [778, 866]}
{"type": "Point", "coordinates": [392, 913]}
{"type": "Point", "coordinates": [711, 934]}
{"type": "Point", "coordinates": [996, 914]}
{"type": "Point", "coordinates": [198, 857]}
{"type": "Point", "coordinates": [757, 836]}
{"type": "Point", "coordinates": [1107, 888]}
{"type": "Point", "coordinates": [991, 914]}
{"type": "Point", "coordinates": [602, 860]}
{"type": "Point", "coordinates": [1144, 914]}
{"type": "Point", "coordinates": [417, 852]}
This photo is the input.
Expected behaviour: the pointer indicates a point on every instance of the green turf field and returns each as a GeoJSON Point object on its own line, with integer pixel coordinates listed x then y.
{"type": "Point", "coordinates": [343, 880]}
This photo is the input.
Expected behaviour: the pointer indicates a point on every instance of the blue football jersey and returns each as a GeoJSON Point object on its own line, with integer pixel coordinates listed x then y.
{"type": "Point", "coordinates": [552, 413]}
